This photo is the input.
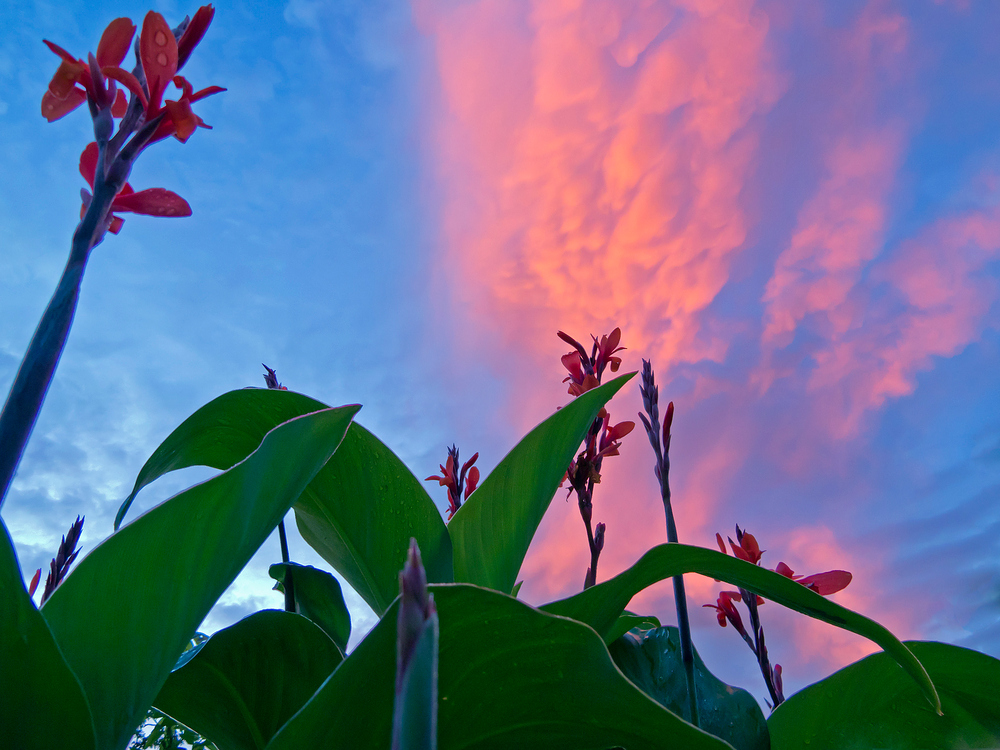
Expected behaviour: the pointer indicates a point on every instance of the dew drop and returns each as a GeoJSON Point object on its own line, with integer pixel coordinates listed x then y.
{"type": "Point", "coordinates": [160, 38]}
{"type": "Point", "coordinates": [161, 59]}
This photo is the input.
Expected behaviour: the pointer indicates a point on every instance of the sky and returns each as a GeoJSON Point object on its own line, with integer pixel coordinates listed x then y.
{"type": "Point", "coordinates": [792, 209]}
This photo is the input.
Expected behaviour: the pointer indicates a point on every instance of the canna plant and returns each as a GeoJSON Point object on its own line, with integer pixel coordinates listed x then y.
{"type": "Point", "coordinates": [456, 660]}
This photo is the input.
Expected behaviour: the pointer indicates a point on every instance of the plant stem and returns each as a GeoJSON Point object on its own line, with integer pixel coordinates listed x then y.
{"type": "Point", "coordinates": [24, 402]}
{"type": "Point", "coordinates": [760, 649]}
{"type": "Point", "coordinates": [680, 600]}
{"type": "Point", "coordinates": [651, 421]}
{"type": "Point", "coordinates": [289, 584]}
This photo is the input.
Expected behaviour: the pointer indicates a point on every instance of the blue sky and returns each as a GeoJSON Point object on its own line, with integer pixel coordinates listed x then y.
{"type": "Point", "coordinates": [793, 211]}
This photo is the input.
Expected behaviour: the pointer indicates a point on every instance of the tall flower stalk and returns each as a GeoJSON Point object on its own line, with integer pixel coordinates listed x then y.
{"type": "Point", "coordinates": [747, 549]}
{"type": "Point", "coordinates": [651, 421]}
{"type": "Point", "coordinates": [603, 440]}
{"type": "Point", "coordinates": [271, 380]}
{"type": "Point", "coordinates": [105, 164]}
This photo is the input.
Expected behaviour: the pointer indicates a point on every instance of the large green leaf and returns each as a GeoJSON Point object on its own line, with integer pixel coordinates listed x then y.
{"type": "Point", "coordinates": [124, 615]}
{"type": "Point", "coordinates": [359, 513]}
{"type": "Point", "coordinates": [247, 680]}
{"type": "Point", "coordinates": [872, 703]}
{"type": "Point", "coordinates": [317, 596]}
{"type": "Point", "coordinates": [492, 531]}
{"type": "Point", "coordinates": [509, 675]}
{"type": "Point", "coordinates": [651, 659]}
{"type": "Point", "coordinates": [35, 681]}
{"type": "Point", "coordinates": [600, 605]}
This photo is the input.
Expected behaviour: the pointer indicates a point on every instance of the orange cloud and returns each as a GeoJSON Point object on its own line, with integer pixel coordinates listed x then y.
{"type": "Point", "coordinates": [593, 155]}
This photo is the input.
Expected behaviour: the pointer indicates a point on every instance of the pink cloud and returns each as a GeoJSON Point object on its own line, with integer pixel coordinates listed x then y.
{"type": "Point", "coordinates": [594, 162]}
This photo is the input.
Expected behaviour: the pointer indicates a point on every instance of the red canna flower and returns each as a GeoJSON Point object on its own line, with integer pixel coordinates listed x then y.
{"type": "Point", "coordinates": [611, 436]}
{"type": "Point", "coordinates": [460, 485]}
{"type": "Point", "coordinates": [605, 349]}
{"type": "Point", "coordinates": [745, 548]}
{"type": "Point", "coordinates": [151, 202]}
{"type": "Point", "coordinates": [726, 611]}
{"type": "Point", "coordinates": [579, 381]}
{"type": "Point", "coordinates": [824, 584]}
{"type": "Point", "coordinates": [73, 81]}
{"type": "Point", "coordinates": [161, 55]}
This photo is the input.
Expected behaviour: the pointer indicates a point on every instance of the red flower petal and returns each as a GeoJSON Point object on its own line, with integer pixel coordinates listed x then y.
{"type": "Point", "coordinates": [152, 202]}
{"type": "Point", "coordinates": [127, 80]}
{"type": "Point", "coordinates": [185, 121]}
{"type": "Point", "coordinates": [88, 163]}
{"type": "Point", "coordinates": [722, 544]}
{"type": "Point", "coordinates": [120, 107]}
{"type": "Point", "coordinates": [158, 52]}
{"type": "Point", "coordinates": [115, 42]}
{"type": "Point", "coordinates": [60, 51]}
{"type": "Point", "coordinates": [53, 107]}
{"type": "Point", "coordinates": [208, 91]}
{"type": "Point", "coordinates": [185, 86]}
{"type": "Point", "coordinates": [472, 482]}
{"type": "Point", "coordinates": [467, 464]}
{"type": "Point", "coordinates": [611, 343]}
{"type": "Point", "coordinates": [749, 543]}
{"type": "Point", "coordinates": [66, 77]}
{"type": "Point", "coordinates": [827, 583]}
{"type": "Point", "coordinates": [116, 224]}
{"type": "Point", "coordinates": [34, 582]}
{"type": "Point", "coordinates": [620, 430]}
{"type": "Point", "coordinates": [785, 571]}
{"type": "Point", "coordinates": [193, 33]}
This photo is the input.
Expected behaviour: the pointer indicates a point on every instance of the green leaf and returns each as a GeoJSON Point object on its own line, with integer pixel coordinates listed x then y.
{"type": "Point", "coordinates": [600, 605]}
{"type": "Point", "coordinates": [247, 680]}
{"type": "Point", "coordinates": [872, 703]}
{"type": "Point", "coordinates": [317, 596]}
{"type": "Point", "coordinates": [509, 676]}
{"type": "Point", "coordinates": [415, 708]}
{"type": "Point", "coordinates": [125, 614]}
{"type": "Point", "coordinates": [35, 680]}
{"type": "Point", "coordinates": [360, 511]}
{"type": "Point", "coordinates": [651, 659]}
{"type": "Point", "coordinates": [491, 532]}
{"type": "Point", "coordinates": [629, 620]}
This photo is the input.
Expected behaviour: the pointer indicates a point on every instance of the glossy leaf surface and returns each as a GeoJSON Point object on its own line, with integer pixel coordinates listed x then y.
{"type": "Point", "coordinates": [629, 620]}
{"type": "Point", "coordinates": [651, 659]}
{"type": "Point", "coordinates": [360, 511]}
{"type": "Point", "coordinates": [319, 597]}
{"type": "Point", "coordinates": [146, 588]}
{"type": "Point", "coordinates": [34, 677]}
{"type": "Point", "coordinates": [492, 530]}
{"type": "Point", "coordinates": [248, 679]}
{"type": "Point", "coordinates": [509, 675]}
{"type": "Point", "coordinates": [872, 703]}
{"type": "Point", "coordinates": [600, 605]}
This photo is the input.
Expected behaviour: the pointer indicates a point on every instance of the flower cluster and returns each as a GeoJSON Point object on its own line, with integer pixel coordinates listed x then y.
{"type": "Point", "coordinates": [271, 379]}
{"type": "Point", "coordinates": [60, 565]}
{"type": "Point", "coordinates": [603, 439]}
{"type": "Point", "coordinates": [746, 548]}
{"type": "Point", "coordinates": [460, 484]}
{"type": "Point", "coordinates": [144, 119]}
{"type": "Point", "coordinates": [585, 370]}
